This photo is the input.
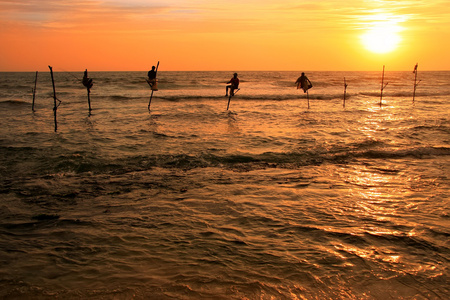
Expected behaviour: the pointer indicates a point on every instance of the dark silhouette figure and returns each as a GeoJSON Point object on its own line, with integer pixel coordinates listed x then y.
{"type": "Point", "coordinates": [233, 86]}
{"type": "Point", "coordinates": [87, 82]}
{"type": "Point", "coordinates": [303, 83]}
{"type": "Point", "coordinates": [152, 79]}
{"type": "Point", "coordinates": [152, 74]}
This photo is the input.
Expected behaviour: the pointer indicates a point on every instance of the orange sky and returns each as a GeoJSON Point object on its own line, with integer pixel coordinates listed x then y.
{"type": "Point", "coordinates": [120, 35]}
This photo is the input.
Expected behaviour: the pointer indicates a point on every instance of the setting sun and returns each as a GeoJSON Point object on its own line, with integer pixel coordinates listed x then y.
{"type": "Point", "coordinates": [382, 39]}
{"type": "Point", "coordinates": [381, 31]}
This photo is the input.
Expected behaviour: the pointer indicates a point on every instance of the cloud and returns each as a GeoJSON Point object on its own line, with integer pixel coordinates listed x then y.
{"type": "Point", "coordinates": [74, 13]}
{"type": "Point", "coordinates": [213, 16]}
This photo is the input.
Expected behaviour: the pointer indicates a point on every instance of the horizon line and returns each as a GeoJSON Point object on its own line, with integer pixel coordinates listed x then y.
{"type": "Point", "coordinates": [62, 71]}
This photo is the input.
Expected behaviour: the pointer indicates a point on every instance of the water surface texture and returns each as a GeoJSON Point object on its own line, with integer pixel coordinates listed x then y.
{"type": "Point", "coordinates": [268, 200]}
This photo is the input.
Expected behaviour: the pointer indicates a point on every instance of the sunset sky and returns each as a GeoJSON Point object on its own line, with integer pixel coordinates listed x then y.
{"type": "Point", "coordinates": [121, 35]}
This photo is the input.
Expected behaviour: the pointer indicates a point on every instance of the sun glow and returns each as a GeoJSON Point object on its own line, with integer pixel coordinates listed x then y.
{"type": "Point", "coordinates": [382, 33]}
{"type": "Point", "coordinates": [382, 39]}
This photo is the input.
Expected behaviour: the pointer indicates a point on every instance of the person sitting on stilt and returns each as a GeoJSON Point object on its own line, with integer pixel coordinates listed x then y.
{"type": "Point", "coordinates": [303, 83]}
{"type": "Point", "coordinates": [151, 76]}
{"type": "Point", "coordinates": [87, 82]}
{"type": "Point", "coordinates": [233, 86]}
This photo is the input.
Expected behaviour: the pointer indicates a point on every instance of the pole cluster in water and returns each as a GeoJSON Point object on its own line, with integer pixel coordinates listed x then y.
{"type": "Point", "coordinates": [88, 83]}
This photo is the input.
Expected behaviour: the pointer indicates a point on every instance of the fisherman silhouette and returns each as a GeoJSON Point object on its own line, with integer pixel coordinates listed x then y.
{"type": "Point", "coordinates": [303, 83]}
{"type": "Point", "coordinates": [87, 82]}
{"type": "Point", "coordinates": [151, 74]}
{"type": "Point", "coordinates": [152, 78]}
{"type": "Point", "coordinates": [233, 86]}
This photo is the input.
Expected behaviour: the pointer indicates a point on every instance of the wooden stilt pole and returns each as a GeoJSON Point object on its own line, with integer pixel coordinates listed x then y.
{"type": "Point", "coordinates": [55, 107]}
{"type": "Point", "coordinates": [345, 91]}
{"type": "Point", "coordinates": [88, 84]}
{"type": "Point", "coordinates": [415, 82]}
{"type": "Point", "coordinates": [232, 93]}
{"type": "Point", "coordinates": [34, 91]}
{"type": "Point", "coordinates": [150, 100]}
{"type": "Point", "coordinates": [151, 95]}
{"type": "Point", "coordinates": [383, 86]}
{"type": "Point", "coordinates": [89, 99]}
{"type": "Point", "coordinates": [307, 96]}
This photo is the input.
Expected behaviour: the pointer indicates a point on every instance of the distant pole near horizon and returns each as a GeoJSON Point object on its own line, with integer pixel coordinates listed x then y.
{"type": "Point", "coordinates": [55, 106]}
{"type": "Point", "coordinates": [34, 91]}
{"type": "Point", "coordinates": [415, 82]}
{"type": "Point", "coordinates": [383, 86]}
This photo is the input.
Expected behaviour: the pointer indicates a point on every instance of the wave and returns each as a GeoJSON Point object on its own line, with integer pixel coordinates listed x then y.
{"type": "Point", "coordinates": [426, 128]}
{"type": "Point", "coordinates": [82, 162]}
{"type": "Point", "coordinates": [402, 94]}
{"type": "Point", "coordinates": [419, 152]}
{"type": "Point", "coordinates": [15, 103]}
{"type": "Point", "coordinates": [121, 97]}
{"type": "Point", "coordinates": [182, 98]}
{"type": "Point", "coordinates": [267, 96]}
{"type": "Point", "coordinates": [259, 97]}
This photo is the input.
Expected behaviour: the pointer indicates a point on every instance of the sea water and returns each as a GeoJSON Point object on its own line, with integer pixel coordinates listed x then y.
{"type": "Point", "coordinates": [267, 200]}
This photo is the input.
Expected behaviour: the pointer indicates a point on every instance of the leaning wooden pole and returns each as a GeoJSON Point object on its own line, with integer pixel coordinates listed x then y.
{"type": "Point", "coordinates": [382, 87]}
{"type": "Point", "coordinates": [232, 93]}
{"type": "Point", "coordinates": [55, 107]}
{"type": "Point", "coordinates": [229, 99]}
{"type": "Point", "coordinates": [34, 91]}
{"type": "Point", "coordinates": [345, 91]}
{"type": "Point", "coordinates": [151, 95]}
{"type": "Point", "coordinates": [150, 100]}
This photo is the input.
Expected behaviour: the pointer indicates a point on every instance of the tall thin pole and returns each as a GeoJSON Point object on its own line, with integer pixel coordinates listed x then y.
{"type": "Point", "coordinates": [54, 98]}
{"type": "Point", "coordinates": [307, 96]}
{"type": "Point", "coordinates": [89, 99]}
{"type": "Point", "coordinates": [151, 95]}
{"type": "Point", "coordinates": [34, 91]}
{"type": "Point", "coordinates": [382, 87]}
{"type": "Point", "coordinates": [345, 91]}
{"type": "Point", "coordinates": [150, 100]}
{"type": "Point", "coordinates": [232, 93]}
{"type": "Point", "coordinates": [88, 84]}
{"type": "Point", "coordinates": [415, 81]}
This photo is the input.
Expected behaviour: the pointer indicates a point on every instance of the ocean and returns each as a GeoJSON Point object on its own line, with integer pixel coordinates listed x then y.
{"type": "Point", "coordinates": [267, 200]}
